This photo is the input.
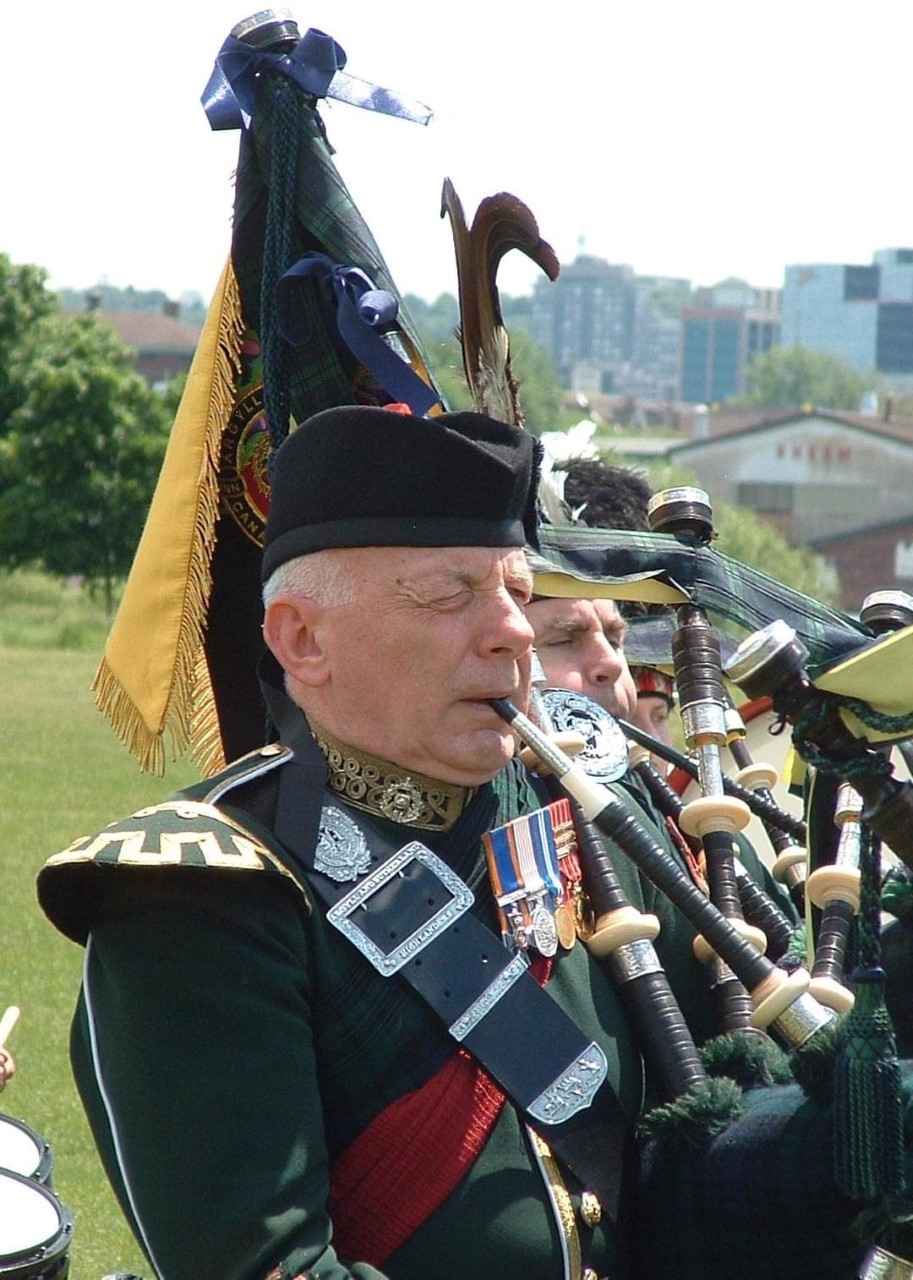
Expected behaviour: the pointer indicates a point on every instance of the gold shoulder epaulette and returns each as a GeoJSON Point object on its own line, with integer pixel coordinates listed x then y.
{"type": "Point", "coordinates": [178, 832]}
{"type": "Point", "coordinates": [186, 832]}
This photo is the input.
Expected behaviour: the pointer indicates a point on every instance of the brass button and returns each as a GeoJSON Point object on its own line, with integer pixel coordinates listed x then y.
{"type": "Point", "coordinates": [589, 1274]}
{"type": "Point", "coordinates": [590, 1209]}
{"type": "Point", "coordinates": [271, 749]}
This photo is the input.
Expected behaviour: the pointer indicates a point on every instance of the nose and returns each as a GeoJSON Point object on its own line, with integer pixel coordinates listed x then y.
{"type": "Point", "coordinates": [605, 662]}
{"type": "Point", "coordinates": [509, 632]}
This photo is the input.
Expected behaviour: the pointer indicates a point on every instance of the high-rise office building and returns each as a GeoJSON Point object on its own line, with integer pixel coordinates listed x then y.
{"type": "Point", "coordinates": [862, 314]}
{"type": "Point", "coordinates": [722, 333]}
{"type": "Point", "coordinates": [609, 330]}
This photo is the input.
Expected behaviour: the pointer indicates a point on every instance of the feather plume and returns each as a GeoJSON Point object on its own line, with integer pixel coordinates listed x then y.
{"type": "Point", "coordinates": [501, 222]}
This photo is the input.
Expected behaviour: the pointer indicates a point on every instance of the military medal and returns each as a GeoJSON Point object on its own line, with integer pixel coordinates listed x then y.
{"type": "Point", "coordinates": [565, 925]}
{"type": "Point", "coordinates": [543, 934]}
{"type": "Point", "coordinates": [523, 867]}
{"type": "Point", "coordinates": [575, 918]}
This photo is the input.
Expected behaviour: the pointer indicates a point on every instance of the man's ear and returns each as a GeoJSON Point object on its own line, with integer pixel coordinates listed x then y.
{"type": "Point", "coordinates": [291, 629]}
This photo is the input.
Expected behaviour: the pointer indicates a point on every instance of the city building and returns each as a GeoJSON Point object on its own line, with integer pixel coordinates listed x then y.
{"type": "Point", "coordinates": [815, 473]}
{"type": "Point", "coordinates": [586, 320]}
{"type": "Point", "coordinates": [866, 560]}
{"type": "Point", "coordinates": [721, 333]}
{"type": "Point", "coordinates": [862, 314]}
{"type": "Point", "coordinates": [608, 330]}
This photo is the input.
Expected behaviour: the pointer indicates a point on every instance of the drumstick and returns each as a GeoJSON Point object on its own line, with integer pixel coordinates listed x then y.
{"type": "Point", "coordinates": [7, 1022]}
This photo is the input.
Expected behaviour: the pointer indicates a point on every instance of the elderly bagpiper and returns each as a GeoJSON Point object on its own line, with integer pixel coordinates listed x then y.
{"type": "Point", "coordinates": [336, 1020]}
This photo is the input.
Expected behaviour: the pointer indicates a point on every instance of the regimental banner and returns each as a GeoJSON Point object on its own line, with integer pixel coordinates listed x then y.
{"type": "Point", "coordinates": [180, 663]}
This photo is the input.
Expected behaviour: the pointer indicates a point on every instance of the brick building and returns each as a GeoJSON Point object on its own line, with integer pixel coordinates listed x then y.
{"type": "Point", "coordinates": [164, 345]}
{"type": "Point", "coordinates": [874, 559]}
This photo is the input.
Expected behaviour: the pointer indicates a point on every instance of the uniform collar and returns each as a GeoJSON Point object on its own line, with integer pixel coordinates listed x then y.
{"type": "Point", "coordinates": [386, 790]}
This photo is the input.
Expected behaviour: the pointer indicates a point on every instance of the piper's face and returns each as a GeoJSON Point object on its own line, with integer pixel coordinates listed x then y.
{"type": "Point", "coordinates": [652, 715]}
{"type": "Point", "coordinates": [431, 636]}
{"type": "Point", "coordinates": [579, 643]}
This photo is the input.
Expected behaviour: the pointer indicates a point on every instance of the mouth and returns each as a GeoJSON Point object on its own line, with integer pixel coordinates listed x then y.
{"type": "Point", "coordinates": [484, 703]}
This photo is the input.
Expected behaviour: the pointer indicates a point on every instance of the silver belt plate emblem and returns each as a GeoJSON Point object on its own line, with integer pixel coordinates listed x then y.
{"type": "Point", "coordinates": [605, 752]}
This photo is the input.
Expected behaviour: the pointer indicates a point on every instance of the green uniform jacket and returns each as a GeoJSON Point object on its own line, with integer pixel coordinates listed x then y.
{"type": "Point", "coordinates": [229, 1044]}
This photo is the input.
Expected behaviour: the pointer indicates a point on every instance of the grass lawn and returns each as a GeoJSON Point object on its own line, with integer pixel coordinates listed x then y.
{"type": "Point", "coordinates": [63, 774]}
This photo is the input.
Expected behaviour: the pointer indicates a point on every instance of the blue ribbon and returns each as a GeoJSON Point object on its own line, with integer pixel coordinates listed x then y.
{"type": "Point", "coordinates": [315, 65]}
{"type": "Point", "coordinates": [362, 312]}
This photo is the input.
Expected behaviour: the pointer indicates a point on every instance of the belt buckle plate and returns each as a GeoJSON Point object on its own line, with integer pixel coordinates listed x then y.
{"type": "Point", "coordinates": [389, 962]}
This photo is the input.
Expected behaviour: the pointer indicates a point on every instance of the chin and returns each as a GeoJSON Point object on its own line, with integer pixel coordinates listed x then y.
{"type": "Point", "coordinates": [485, 756]}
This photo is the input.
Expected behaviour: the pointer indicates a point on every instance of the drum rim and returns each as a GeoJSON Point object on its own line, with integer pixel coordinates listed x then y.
{"type": "Point", "coordinates": [44, 1163]}
{"type": "Point", "coordinates": [55, 1245]}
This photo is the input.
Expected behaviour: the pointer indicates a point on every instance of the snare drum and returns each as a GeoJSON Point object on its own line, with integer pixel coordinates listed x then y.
{"type": "Point", "coordinates": [22, 1151]}
{"type": "Point", "coordinates": [35, 1231]}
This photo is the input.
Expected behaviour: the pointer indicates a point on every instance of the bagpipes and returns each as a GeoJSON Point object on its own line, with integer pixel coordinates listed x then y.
{"type": "Point", "coordinates": [798, 1006]}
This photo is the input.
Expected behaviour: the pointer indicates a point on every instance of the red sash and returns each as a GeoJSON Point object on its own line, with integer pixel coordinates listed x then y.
{"type": "Point", "coordinates": [409, 1159]}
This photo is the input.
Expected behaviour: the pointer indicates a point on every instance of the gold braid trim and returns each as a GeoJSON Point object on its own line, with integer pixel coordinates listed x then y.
{"type": "Point", "coordinates": [376, 786]}
{"type": "Point", "coordinates": [153, 677]}
{"type": "Point", "coordinates": [561, 1202]}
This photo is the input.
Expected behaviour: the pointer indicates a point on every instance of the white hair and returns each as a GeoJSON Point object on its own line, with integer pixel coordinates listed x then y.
{"type": "Point", "coordinates": [325, 576]}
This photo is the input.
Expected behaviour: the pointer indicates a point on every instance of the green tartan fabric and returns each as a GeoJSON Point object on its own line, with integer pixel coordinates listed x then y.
{"type": "Point", "coordinates": [704, 576]}
{"type": "Point", "coordinates": [760, 1203]}
{"type": "Point", "coordinates": [648, 641]}
{"type": "Point", "coordinates": [321, 372]}
{"type": "Point", "coordinates": [326, 221]}
{"type": "Point", "coordinates": [733, 1212]}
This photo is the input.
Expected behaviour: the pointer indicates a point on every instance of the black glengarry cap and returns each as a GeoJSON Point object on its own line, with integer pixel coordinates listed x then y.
{"type": "Point", "coordinates": [359, 476]}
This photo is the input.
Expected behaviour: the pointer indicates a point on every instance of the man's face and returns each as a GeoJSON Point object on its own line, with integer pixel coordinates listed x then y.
{"type": "Point", "coordinates": [579, 643]}
{"type": "Point", "coordinates": [652, 715]}
{"type": "Point", "coordinates": [430, 637]}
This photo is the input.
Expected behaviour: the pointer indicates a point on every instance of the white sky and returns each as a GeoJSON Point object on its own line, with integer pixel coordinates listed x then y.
{"type": "Point", "coordinates": [700, 139]}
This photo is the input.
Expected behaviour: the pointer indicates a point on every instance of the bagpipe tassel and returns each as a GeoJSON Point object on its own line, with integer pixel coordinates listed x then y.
{"type": "Point", "coordinates": [868, 1123]}
{"type": "Point", "coordinates": [868, 1111]}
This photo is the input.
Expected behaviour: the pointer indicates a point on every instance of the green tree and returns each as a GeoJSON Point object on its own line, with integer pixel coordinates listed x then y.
{"type": "Point", "coordinates": [541, 392]}
{"type": "Point", "coordinates": [746, 536]}
{"type": "Point", "coordinates": [447, 367]}
{"type": "Point", "coordinates": [435, 321]}
{"type": "Point", "coordinates": [24, 299]}
{"type": "Point", "coordinates": [787, 377]}
{"type": "Point", "coordinates": [81, 453]}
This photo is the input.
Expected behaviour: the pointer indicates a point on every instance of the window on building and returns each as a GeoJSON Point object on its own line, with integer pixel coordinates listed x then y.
{"type": "Point", "coordinates": [726, 344]}
{"type": "Point", "coordinates": [903, 560]}
{"type": "Point", "coordinates": [770, 499]}
{"type": "Point", "coordinates": [695, 361]}
{"type": "Point", "coordinates": [895, 338]}
{"type": "Point", "coordinates": [860, 284]}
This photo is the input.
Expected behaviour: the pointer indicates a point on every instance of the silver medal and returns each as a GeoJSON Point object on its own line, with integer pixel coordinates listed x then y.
{"type": "Point", "coordinates": [542, 927]}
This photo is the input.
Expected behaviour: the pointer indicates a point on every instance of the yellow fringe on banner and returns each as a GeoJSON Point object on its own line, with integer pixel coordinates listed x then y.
{"type": "Point", "coordinates": [153, 680]}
